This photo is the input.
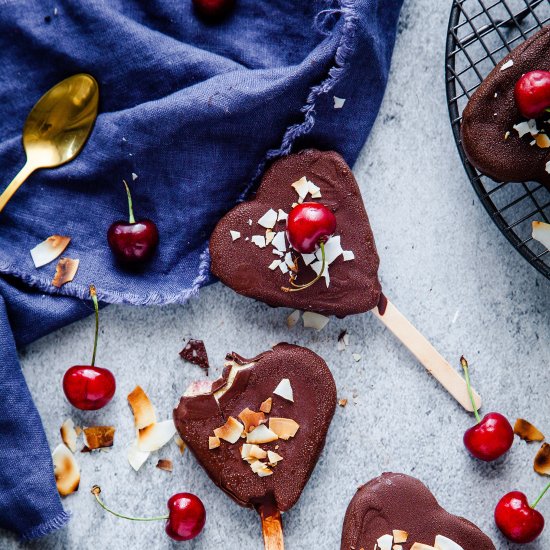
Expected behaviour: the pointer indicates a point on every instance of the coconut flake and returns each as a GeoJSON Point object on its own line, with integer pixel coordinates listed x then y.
{"type": "Point", "coordinates": [385, 542]}
{"type": "Point", "coordinates": [533, 130]}
{"type": "Point", "coordinates": [269, 219]}
{"type": "Point", "coordinates": [314, 320]}
{"type": "Point", "coordinates": [260, 435]}
{"type": "Point", "coordinates": [231, 431]}
{"type": "Point", "coordinates": [302, 187]}
{"type": "Point", "coordinates": [283, 267]}
{"type": "Point", "coordinates": [338, 102]}
{"type": "Point", "coordinates": [507, 65]}
{"type": "Point", "coordinates": [99, 437]}
{"type": "Point", "coordinates": [66, 470]}
{"type": "Point", "coordinates": [278, 253]}
{"type": "Point", "coordinates": [317, 266]}
{"type": "Point", "coordinates": [259, 241]}
{"type": "Point", "coordinates": [249, 221]}
{"type": "Point", "coordinates": [443, 543]}
{"type": "Point", "coordinates": [266, 405]}
{"type": "Point", "coordinates": [542, 460]}
{"type": "Point", "coordinates": [308, 258]}
{"type": "Point", "coordinates": [400, 536]}
{"type": "Point", "coordinates": [420, 546]}
{"type": "Point", "coordinates": [356, 357]}
{"type": "Point", "coordinates": [527, 431]}
{"type": "Point", "coordinates": [155, 436]}
{"type": "Point", "coordinates": [144, 412]}
{"type": "Point", "coordinates": [293, 318]}
{"type": "Point", "coordinates": [543, 141]}
{"type": "Point", "coordinates": [522, 128]}
{"type": "Point", "coordinates": [333, 249]}
{"type": "Point", "coordinates": [251, 419]}
{"type": "Point", "coordinates": [136, 458]}
{"type": "Point", "coordinates": [284, 390]}
{"type": "Point", "coordinates": [541, 233]}
{"type": "Point", "coordinates": [273, 458]}
{"type": "Point", "coordinates": [235, 235]}
{"type": "Point", "coordinates": [264, 472]}
{"type": "Point", "coordinates": [68, 434]}
{"type": "Point", "coordinates": [348, 255]}
{"type": "Point", "coordinates": [213, 442]}
{"type": "Point", "coordinates": [180, 443]}
{"type": "Point", "coordinates": [251, 451]}
{"type": "Point", "coordinates": [274, 264]}
{"type": "Point", "coordinates": [314, 190]}
{"type": "Point", "coordinates": [49, 250]}
{"type": "Point", "coordinates": [285, 428]}
{"type": "Point", "coordinates": [165, 464]}
{"type": "Point", "coordinates": [279, 241]}
{"type": "Point", "coordinates": [281, 215]}
{"type": "Point", "coordinates": [288, 260]}
{"type": "Point", "coordinates": [269, 236]}
{"type": "Point", "coordinates": [65, 271]}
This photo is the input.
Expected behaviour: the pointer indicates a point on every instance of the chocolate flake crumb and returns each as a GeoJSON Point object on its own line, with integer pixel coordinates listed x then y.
{"type": "Point", "coordinates": [195, 352]}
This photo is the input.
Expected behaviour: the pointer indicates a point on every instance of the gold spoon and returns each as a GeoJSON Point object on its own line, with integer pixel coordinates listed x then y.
{"type": "Point", "coordinates": [57, 127]}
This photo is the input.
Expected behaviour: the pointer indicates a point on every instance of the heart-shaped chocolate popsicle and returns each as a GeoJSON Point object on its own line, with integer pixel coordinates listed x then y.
{"type": "Point", "coordinates": [259, 429]}
{"type": "Point", "coordinates": [399, 510]}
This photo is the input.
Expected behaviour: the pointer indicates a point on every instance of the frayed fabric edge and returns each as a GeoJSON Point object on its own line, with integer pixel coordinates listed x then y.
{"type": "Point", "coordinates": [48, 527]}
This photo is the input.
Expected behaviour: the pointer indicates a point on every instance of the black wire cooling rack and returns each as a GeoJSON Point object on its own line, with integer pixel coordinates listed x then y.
{"type": "Point", "coordinates": [481, 33]}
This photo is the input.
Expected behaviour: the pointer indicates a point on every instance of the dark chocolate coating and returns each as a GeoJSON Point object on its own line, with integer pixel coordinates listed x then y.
{"type": "Point", "coordinates": [512, 159]}
{"type": "Point", "coordinates": [397, 501]}
{"type": "Point", "coordinates": [241, 265]}
{"type": "Point", "coordinates": [313, 408]}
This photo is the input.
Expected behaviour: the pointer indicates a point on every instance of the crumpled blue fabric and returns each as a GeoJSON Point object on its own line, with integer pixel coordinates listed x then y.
{"type": "Point", "coordinates": [196, 111]}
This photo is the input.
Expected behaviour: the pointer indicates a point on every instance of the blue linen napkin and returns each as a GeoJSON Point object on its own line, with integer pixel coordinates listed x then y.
{"type": "Point", "coordinates": [196, 111]}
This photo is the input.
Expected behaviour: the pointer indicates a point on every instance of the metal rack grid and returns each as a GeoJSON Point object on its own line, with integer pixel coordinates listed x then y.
{"type": "Point", "coordinates": [480, 34]}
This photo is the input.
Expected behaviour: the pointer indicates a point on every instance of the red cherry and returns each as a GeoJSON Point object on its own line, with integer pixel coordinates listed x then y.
{"type": "Point", "coordinates": [133, 243]}
{"type": "Point", "coordinates": [308, 225]}
{"type": "Point", "coordinates": [213, 9]}
{"type": "Point", "coordinates": [187, 516]}
{"type": "Point", "coordinates": [532, 93]}
{"type": "Point", "coordinates": [518, 521]}
{"type": "Point", "coordinates": [88, 387]}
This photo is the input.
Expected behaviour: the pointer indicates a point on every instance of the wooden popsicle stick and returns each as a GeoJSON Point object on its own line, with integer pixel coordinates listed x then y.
{"type": "Point", "coordinates": [272, 529]}
{"type": "Point", "coordinates": [426, 354]}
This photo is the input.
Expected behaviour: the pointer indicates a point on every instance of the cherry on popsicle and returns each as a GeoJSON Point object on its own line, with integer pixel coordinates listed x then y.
{"type": "Point", "coordinates": [532, 93]}
{"type": "Point", "coordinates": [88, 387]}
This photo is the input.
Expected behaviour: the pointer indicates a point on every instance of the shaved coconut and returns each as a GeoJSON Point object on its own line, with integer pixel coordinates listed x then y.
{"type": "Point", "coordinates": [314, 320]}
{"type": "Point", "coordinates": [199, 387]}
{"type": "Point", "coordinates": [279, 241]}
{"type": "Point", "coordinates": [256, 465]}
{"type": "Point", "coordinates": [99, 437]}
{"type": "Point", "coordinates": [288, 260]}
{"type": "Point", "coordinates": [527, 431]}
{"type": "Point", "coordinates": [385, 542]}
{"type": "Point", "coordinates": [356, 357]}
{"type": "Point", "coordinates": [317, 266]}
{"type": "Point", "coordinates": [260, 435]}
{"type": "Point", "coordinates": [213, 442]}
{"type": "Point", "coordinates": [165, 464]}
{"type": "Point", "coordinates": [308, 258]}
{"type": "Point", "coordinates": [443, 543]}
{"type": "Point", "coordinates": [251, 419]}
{"type": "Point", "coordinates": [302, 187]}
{"type": "Point", "coordinates": [68, 434]}
{"type": "Point", "coordinates": [533, 130]}
{"type": "Point", "coordinates": [266, 405]}
{"type": "Point", "coordinates": [420, 546]}
{"type": "Point", "coordinates": [522, 128]}
{"type": "Point", "coordinates": [541, 230]}
{"type": "Point", "coordinates": [547, 167]}
{"type": "Point", "coordinates": [136, 458]}
{"type": "Point", "coordinates": [144, 412]}
{"type": "Point", "coordinates": [180, 443]}
{"type": "Point", "coordinates": [397, 547]}
{"type": "Point", "coordinates": [66, 470]}
{"type": "Point", "coordinates": [269, 219]}
{"type": "Point", "coordinates": [278, 253]}
{"type": "Point", "coordinates": [543, 141]}
{"type": "Point", "coordinates": [49, 250]}
{"type": "Point", "coordinates": [249, 221]}
{"type": "Point", "coordinates": [269, 236]}
{"type": "Point", "coordinates": [235, 235]}
{"type": "Point", "coordinates": [259, 241]}
{"type": "Point", "coordinates": [507, 65]}
{"type": "Point", "coordinates": [542, 460]}
{"type": "Point", "coordinates": [230, 431]}
{"type": "Point", "coordinates": [155, 436]}
{"type": "Point", "coordinates": [313, 189]}
{"type": "Point", "coordinates": [264, 472]}
{"type": "Point", "coordinates": [400, 536]}
{"type": "Point", "coordinates": [338, 102]}
{"type": "Point", "coordinates": [273, 457]}
{"type": "Point", "coordinates": [333, 249]}
{"type": "Point", "coordinates": [252, 451]}
{"type": "Point", "coordinates": [283, 267]}
{"type": "Point", "coordinates": [281, 215]}
{"type": "Point", "coordinates": [317, 195]}
{"type": "Point", "coordinates": [274, 264]}
{"type": "Point", "coordinates": [285, 428]}
{"type": "Point", "coordinates": [348, 255]}
{"type": "Point", "coordinates": [65, 271]}
{"type": "Point", "coordinates": [293, 318]}
{"type": "Point", "coordinates": [284, 390]}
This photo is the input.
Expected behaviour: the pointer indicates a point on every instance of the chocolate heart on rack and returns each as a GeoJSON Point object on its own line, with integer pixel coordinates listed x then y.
{"type": "Point", "coordinates": [396, 509]}
{"type": "Point", "coordinates": [254, 258]}
{"type": "Point", "coordinates": [282, 402]}
{"type": "Point", "coordinates": [489, 138]}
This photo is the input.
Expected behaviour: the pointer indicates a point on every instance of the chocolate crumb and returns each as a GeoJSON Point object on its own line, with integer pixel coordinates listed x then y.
{"type": "Point", "coordinates": [195, 352]}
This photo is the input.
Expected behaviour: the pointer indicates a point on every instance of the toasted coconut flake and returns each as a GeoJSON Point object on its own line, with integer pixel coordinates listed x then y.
{"type": "Point", "coordinates": [543, 141]}
{"type": "Point", "coordinates": [65, 271]}
{"type": "Point", "coordinates": [165, 464]}
{"type": "Point", "coordinates": [136, 458]}
{"type": "Point", "coordinates": [266, 405]}
{"type": "Point", "coordinates": [273, 457]}
{"type": "Point", "coordinates": [153, 437]}
{"type": "Point", "coordinates": [231, 431]}
{"type": "Point", "coordinates": [213, 442]}
{"type": "Point", "coordinates": [68, 434]}
{"type": "Point", "coordinates": [144, 412]}
{"type": "Point", "coordinates": [251, 419]}
{"type": "Point", "coordinates": [343, 340]}
{"type": "Point", "coordinates": [302, 187]}
{"type": "Point", "coordinates": [99, 437]}
{"type": "Point", "coordinates": [199, 387]}
{"type": "Point", "coordinates": [293, 318]}
{"type": "Point", "coordinates": [260, 435]}
{"type": "Point", "coordinates": [444, 543]}
{"type": "Point", "coordinates": [385, 542]}
{"type": "Point", "coordinates": [397, 547]}
{"type": "Point", "coordinates": [285, 428]}
{"type": "Point", "coordinates": [400, 536]}
{"type": "Point", "coordinates": [541, 230]}
{"type": "Point", "coordinates": [527, 431]}
{"type": "Point", "coordinates": [180, 443]}
{"type": "Point", "coordinates": [314, 320]}
{"type": "Point", "coordinates": [542, 460]}
{"type": "Point", "coordinates": [49, 250]}
{"type": "Point", "coordinates": [342, 402]}
{"type": "Point", "coordinates": [264, 472]}
{"type": "Point", "coordinates": [66, 470]}
{"type": "Point", "coordinates": [284, 390]}
{"type": "Point", "coordinates": [420, 546]}
{"type": "Point", "coordinates": [250, 451]}
{"type": "Point", "coordinates": [269, 219]}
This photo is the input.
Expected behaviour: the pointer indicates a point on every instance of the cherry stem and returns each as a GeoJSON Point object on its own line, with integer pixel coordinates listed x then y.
{"type": "Point", "coordinates": [297, 288]}
{"type": "Point", "coordinates": [93, 294]}
{"type": "Point", "coordinates": [130, 205]}
{"type": "Point", "coordinates": [540, 496]}
{"type": "Point", "coordinates": [96, 490]}
{"type": "Point", "coordinates": [464, 364]}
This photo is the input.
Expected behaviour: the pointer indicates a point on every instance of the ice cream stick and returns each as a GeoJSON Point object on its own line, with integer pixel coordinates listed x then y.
{"type": "Point", "coordinates": [426, 354]}
{"type": "Point", "coordinates": [272, 529]}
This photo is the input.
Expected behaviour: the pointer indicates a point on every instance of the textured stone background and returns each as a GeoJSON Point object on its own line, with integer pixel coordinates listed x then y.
{"type": "Point", "coordinates": [444, 264]}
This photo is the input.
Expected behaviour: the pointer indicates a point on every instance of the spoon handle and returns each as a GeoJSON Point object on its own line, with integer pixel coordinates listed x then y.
{"type": "Point", "coordinates": [24, 173]}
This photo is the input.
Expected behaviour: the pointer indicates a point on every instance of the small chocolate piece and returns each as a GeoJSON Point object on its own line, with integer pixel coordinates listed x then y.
{"type": "Point", "coordinates": [400, 502]}
{"type": "Point", "coordinates": [247, 384]}
{"type": "Point", "coordinates": [195, 352]}
{"type": "Point", "coordinates": [244, 267]}
{"type": "Point", "coordinates": [492, 112]}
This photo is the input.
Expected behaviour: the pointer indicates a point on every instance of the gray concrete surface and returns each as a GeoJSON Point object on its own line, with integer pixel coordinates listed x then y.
{"type": "Point", "coordinates": [443, 263]}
